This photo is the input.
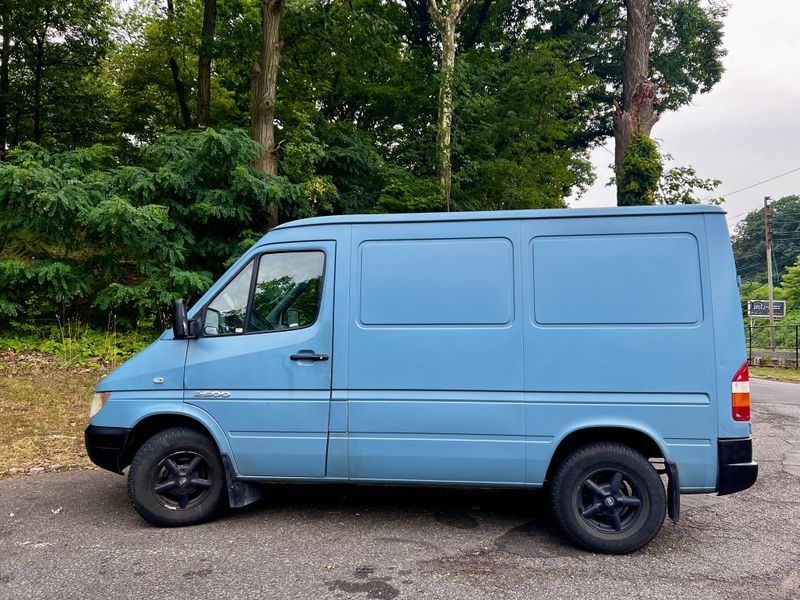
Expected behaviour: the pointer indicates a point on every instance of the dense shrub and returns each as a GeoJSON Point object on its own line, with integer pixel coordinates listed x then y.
{"type": "Point", "coordinates": [83, 237]}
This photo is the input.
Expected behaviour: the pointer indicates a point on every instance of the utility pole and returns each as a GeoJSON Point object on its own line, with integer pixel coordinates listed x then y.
{"type": "Point", "coordinates": [768, 238]}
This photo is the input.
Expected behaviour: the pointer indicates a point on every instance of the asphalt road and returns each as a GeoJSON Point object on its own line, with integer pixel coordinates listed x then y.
{"type": "Point", "coordinates": [73, 535]}
{"type": "Point", "coordinates": [765, 391]}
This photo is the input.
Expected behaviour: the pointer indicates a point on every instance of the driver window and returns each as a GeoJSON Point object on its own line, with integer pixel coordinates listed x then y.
{"type": "Point", "coordinates": [288, 291]}
{"type": "Point", "coordinates": [226, 313]}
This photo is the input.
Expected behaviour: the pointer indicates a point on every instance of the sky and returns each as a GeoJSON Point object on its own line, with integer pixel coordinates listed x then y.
{"type": "Point", "coordinates": [747, 128]}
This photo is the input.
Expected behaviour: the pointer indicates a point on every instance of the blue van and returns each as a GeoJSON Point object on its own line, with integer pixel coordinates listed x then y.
{"type": "Point", "coordinates": [590, 352]}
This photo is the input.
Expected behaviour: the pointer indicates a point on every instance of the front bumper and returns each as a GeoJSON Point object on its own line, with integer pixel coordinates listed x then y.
{"type": "Point", "coordinates": [737, 471]}
{"type": "Point", "coordinates": [106, 446]}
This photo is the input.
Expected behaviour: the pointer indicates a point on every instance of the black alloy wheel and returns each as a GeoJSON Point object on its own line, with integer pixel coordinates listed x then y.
{"type": "Point", "coordinates": [608, 498]}
{"type": "Point", "coordinates": [177, 478]}
{"type": "Point", "coordinates": [181, 481]}
{"type": "Point", "coordinates": [609, 501]}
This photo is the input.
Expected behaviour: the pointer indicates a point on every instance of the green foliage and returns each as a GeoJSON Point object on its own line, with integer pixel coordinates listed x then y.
{"type": "Point", "coordinates": [60, 94]}
{"type": "Point", "coordinates": [641, 172]}
{"type": "Point", "coordinates": [513, 130]}
{"type": "Point", "coordinates": [75, 343]}
{"type": "Point", "coordinates": [82, 232]}
{"type": "Point", "coordinates": [687, 49]}
{"type": "Point", "coordinates": [749, 244]}
{"type": "Point", "coordinates": [679, 185]}
{"type": "Point", "coordinates": [790, 285]}
{"type": "Point", "coordinates": [111, 211]}
{"type": "Point", "coordinates": [686, 52]}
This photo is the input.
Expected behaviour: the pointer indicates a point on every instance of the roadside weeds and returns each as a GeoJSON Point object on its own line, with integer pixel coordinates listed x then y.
{"type": "Point", "coordinates": [44, 407]}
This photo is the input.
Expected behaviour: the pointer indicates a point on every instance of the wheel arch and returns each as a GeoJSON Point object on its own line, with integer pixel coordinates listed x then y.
{"type": "Point", "coordinates": [640, 440]}
{"type": "Point", "coordinates": [149, 425]}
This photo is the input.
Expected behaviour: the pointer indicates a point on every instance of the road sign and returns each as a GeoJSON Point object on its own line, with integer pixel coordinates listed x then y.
{"type": "Point", "coordinates": [760, 308]}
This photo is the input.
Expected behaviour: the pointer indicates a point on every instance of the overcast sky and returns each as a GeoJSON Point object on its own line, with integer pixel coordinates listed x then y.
{"type": "Point", "coordinates": [747, 128]}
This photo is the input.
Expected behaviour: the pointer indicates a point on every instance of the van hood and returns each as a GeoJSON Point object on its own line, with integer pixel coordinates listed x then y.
{"type": "Point", "coordinates": [165, 358]}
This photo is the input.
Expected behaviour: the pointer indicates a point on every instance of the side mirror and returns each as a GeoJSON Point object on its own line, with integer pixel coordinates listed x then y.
{"type": "Point", "coordinates": [180, 321]}
{"type": "Point", "coordinates": [292, 318]}
{"type": "Point", "coordinates": [182, 327]}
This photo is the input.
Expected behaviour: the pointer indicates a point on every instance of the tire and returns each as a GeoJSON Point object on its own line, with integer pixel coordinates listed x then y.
{"type": "Point", "coordinates": [608, 498]}
{"type": "Point", "coordinates": [177, 478]}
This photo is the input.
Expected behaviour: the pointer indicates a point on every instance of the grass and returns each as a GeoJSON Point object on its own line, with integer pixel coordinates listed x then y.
{"type": "Point", "coordinates": [76, 344]}
{"type": "Point", "coordinates": [44, 407]}
{"type": "Point", "coordinates": [47, 377]}
{"type": "Point", "coordinates": [792, 375]}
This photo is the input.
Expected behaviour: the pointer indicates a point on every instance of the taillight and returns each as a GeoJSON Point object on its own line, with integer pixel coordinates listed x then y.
{"type": "Point", "coordinates": [740, 394]}
{"type": "Point", "coordinates": [98, 400]}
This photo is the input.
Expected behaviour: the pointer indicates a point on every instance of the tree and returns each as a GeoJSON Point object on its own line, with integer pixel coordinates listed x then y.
{"type": "Point", "coordinates": [5, 55]}
{"type": "Point", "coordinates": [446, 18]}
{"type": "Point", "coordinates": [204, 63]}
{"type": "Point", "coordinates": [749, 244]}
{"type": "Point", "coordinates": [635, 115]}
{"type": "Point", "coordinates": [684, 59]}
{"type": "Point", "coordinates": [116, 211]}
{"type": "Point", "coordinates": [79, 231]}
{"type": "Point", "coordinates": [52, 82]}
{"type": "Point", "coordinates": [790, 285]}
{"type": "Point", "coordinates": [679, 185]}
{"type": "Point", "coordinates": [180, 88]}
{"type": "Point", "coordinates": [519, 110]}
{"type": "Point", "coordinates": [263, 94]}
{"type": "Point", "coordinates": [151, 66]}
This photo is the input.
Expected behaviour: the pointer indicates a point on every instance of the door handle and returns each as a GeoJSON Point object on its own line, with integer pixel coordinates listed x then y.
{"type": "Point", "coordinates": [316, 357]}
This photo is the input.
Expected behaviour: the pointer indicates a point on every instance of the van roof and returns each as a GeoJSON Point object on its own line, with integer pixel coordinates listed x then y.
{"type": "Point", "coordinates": [498, 215]}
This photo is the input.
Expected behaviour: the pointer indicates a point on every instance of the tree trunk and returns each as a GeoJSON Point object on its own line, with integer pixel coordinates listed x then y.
{"type": "Point", "coordinates": [482, 18]}
{"type": "Point", "coordinates": [444, 131]}
{"type": "Point", "coordinates": [446, 19]}
{"type": "Point", "coordinates": [420, 24]}
{"type": "Point", "coordinates": [37, 90]}
{"type": "Point", "coordinates": [204, 63]}
{"type": "Point", "coordinates": [38, 73]}
{"type": "Point", "coordinates": [636, 115]}
{"type": "Point", "coordinates": [180, 89]}
{"type": "Point", "coordinates": [4, 84]}
{"type": "Point", "coordinates": [263, 92]}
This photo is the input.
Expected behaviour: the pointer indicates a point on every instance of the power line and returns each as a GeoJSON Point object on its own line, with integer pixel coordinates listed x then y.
{"type": "Point", "coordinates": [751, 186]}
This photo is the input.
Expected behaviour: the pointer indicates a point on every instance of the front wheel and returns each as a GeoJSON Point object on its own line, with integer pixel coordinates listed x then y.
{"type": "Point", "coordinates": [608, 498]}
{"type": "Point", "coordinates": [177, 478]}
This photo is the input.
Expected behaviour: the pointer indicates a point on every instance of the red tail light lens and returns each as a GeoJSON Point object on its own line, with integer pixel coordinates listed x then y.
{"type": "Point", "coordinates": [740, 394]}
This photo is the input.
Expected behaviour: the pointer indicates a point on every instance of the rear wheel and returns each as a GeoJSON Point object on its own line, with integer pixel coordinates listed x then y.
{"type": "Point", "coordinates": [177, 478]}
{"type": "Point", "coordinates": [608, 498]}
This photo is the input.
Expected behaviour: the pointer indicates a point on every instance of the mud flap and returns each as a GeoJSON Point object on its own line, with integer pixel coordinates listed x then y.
{"type": "Point", "coordinates": [240, 493]}
{"type": "Point", "coordinates": [673, 491]}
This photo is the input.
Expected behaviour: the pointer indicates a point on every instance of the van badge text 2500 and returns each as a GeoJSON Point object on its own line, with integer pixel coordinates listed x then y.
{"type": "Point", "coordinates": [212, 394]}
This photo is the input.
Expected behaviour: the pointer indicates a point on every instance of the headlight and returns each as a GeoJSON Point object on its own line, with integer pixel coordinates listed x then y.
{"type": "Point", "coordinates": [98, 400]}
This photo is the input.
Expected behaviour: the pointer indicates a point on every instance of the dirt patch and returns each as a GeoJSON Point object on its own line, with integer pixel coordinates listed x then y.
{"type": "Point", "coordinates": [44, 407]}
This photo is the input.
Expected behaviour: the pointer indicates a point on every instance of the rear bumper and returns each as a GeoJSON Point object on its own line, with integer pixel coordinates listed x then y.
{"type": "Point", "coordinates": [106, 446]}
{"type": "Point", "coordinates": [737, 471]}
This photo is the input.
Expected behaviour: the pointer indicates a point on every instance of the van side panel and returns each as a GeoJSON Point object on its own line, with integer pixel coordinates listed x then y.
{"type": "Point", "coordinates": [730, 348]}
{"type": "Point", "coordinates": [435, 369]}
{"type": "Point", "coordinates": [619, 333]}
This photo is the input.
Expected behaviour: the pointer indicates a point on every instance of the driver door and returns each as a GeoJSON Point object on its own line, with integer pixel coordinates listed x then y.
{"type": "Point", "coordinates": [261, 366]}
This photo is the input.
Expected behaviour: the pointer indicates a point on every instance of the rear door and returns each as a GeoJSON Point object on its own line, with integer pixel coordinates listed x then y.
{"type": "Point", "coordinates": [262, 365]}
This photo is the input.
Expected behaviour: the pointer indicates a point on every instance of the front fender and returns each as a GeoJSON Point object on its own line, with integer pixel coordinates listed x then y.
{"type": "Point", "coordinates": [129, 409]}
